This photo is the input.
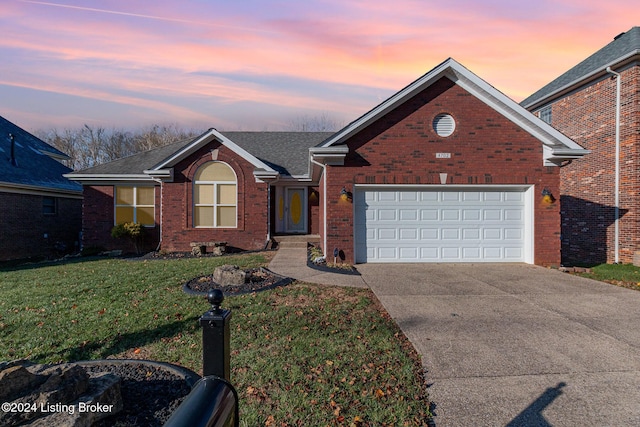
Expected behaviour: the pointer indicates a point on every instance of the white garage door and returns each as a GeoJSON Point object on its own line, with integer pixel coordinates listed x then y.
{"type": "Point", "coordinates": [442, 225]}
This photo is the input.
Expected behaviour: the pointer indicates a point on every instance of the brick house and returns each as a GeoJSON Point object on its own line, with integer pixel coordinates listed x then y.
{"type": "Point", "coordinates": [41, 209]}
{"type": "Point", "coordinates": [446, 170]}
{"type": "Point", "coordinates": [582, 103]}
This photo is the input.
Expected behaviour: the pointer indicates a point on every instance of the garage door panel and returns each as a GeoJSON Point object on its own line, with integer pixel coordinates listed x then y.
{"type": "Point", "coordinates": [409, 254]}
{"type": "Point", "coordinates": [429, 233]}
{"type": "Point", "coordinates": [492, 215]}
{"type": "Point", "coordinates": [409, 234]}
{"type": "Point", "coordinates": [429, 214]}
{"type": "Point", "coordinates": [429, 254]}
{"type": "Point", "coordinates": [440, 225]}
{"type": "Point", "coordinates": [387, 215]}
{"type": "Point", "coordinates": [408, 214]}
{"type": "Point", "coordinates": [472, 254]}
{"type": "Point", "coordinates": [409, 196]}
{"type": "Point", "coordinates": [450, 214]}
{"type": "Point", "coordinates": [388, 253]}
{"type": "Point", "coordinates": [472, 214]}
{"type": "Point", "coordinates": [387, 234]}
{"type": "Point", "coordinates": [428, 196]}
{"type": "Point", "coordinates": [450, 234]}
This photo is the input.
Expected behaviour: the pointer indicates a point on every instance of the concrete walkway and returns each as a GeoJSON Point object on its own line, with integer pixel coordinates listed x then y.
{"type": "Point", "coordinates": [291, 261]}
{"type": "Point", "coordinates": [510, 344]}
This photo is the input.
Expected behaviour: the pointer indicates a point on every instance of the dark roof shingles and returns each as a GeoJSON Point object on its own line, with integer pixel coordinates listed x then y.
{"type": "Point", "coordinates": [620, 47]}
{"type": "Point", "coordinates": [34, 165]}
{"type": "Point", "coordinates": [285, 152]}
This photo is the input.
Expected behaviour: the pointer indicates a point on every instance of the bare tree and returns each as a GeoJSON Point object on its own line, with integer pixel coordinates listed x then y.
{"type": "Point", "coordinates": [91, 146]}
{"type": "Point", "coordinates": [321, 123]}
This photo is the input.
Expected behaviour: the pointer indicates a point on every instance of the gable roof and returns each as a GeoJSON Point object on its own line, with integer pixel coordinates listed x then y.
{"type": "Point", "coordinates": [284, 153]}
{"type": "Point", "coordinates": [621, 50]}
{"type": "Point", "coordinates": [36, 166]}
{"type": "Point", "coordinates": [557, 146]}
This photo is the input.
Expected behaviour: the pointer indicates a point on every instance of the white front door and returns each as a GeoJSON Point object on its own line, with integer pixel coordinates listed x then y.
{"type": "Point", "coordinates": [296, 210]}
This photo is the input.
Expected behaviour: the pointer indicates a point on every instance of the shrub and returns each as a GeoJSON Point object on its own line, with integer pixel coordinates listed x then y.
{"type": "Point", "coordinates": [131, 230]}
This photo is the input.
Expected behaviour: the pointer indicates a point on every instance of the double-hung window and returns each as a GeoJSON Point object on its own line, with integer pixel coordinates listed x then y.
{"type": "Point", "coordinates": [215, 196]}
{"type": "Point", "coordinates": [135, 204]}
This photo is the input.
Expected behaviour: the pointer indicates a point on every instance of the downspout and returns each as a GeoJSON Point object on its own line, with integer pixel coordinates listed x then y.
{"type": "Point", "coordinates": [324, 200]}
{"type": "Point", "coordinates": [161, 199]}
{"type": "Point", "coordinates": [617, 172]}
{"type": "Point", "coordinates": [266, 244]}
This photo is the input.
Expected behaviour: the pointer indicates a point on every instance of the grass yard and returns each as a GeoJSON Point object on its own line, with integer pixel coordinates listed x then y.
{"type": "Point", "coordinates": [625, 275]}
{"type": "Point", "coordinates": [302, 355]}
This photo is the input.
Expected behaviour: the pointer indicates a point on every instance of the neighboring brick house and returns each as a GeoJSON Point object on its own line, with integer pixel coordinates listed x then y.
{"type": "Point", "coordinates": [582, 104]}
{"type": "Point", "coordinates": [40, 208]}
{"type": "Point", "coordinates": [446, 170]}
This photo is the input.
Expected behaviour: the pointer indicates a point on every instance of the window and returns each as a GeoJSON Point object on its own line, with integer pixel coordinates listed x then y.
{"type": "Point", "coordinates": [135, 204]}
{"type": "Point", "coordinates": [545, 114]}
{"type": "Point", "coordinates": [215, 196]}
{"type": "Point", "coordinates": [49, 205]}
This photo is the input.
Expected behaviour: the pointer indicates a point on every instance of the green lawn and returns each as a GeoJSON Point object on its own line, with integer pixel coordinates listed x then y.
{"type": "Point", "coordinates": [302, 355]}
{"type": "Point", "coordinates": [625, 275]}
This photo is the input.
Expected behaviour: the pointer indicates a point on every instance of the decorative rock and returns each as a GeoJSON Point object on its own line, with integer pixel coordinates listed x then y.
{"type": "Point", "coordinates": [229, 275]}
{"type": "Point", "coordinates": [215, 248]}
{"type": "Point", "coordinates": [198, 250]}
{"type": "Point", "coordinates": [105, 400]}
{"type": "Point", "coordinates": [63, 395]}
{"type": "Point", "coordinates": [16, 379]}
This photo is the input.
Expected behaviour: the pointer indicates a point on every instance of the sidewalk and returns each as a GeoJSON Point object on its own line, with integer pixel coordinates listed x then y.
{"type": "Point", "coordinates": [291, 261]}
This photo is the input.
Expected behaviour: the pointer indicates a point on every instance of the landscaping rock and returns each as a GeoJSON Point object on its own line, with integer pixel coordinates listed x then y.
{"type": "Point", "coordinates": [214, 248]}
{"type": "Point", "coordinates": [229, 275]}
{"type": "Point", "coordinates": [64, 395]}
{"type": "Point", "coordinates": [15, 379]}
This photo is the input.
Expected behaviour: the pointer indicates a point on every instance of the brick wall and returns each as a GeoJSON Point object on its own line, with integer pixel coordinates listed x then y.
{"type": "Point", "coordinates": [588, 197]}
{"type": "Point", "coordinates": [485, 148]}
{"type": "Point", "coordinates": [178, 230]}
{"type": "Point", "coordinates": [98, 220]}
{"type": "Point", "coordinates": [26, 232]}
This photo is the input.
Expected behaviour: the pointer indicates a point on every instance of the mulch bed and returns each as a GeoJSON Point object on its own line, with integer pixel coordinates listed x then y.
{"type": "Point", "coordinates": [259, 279]}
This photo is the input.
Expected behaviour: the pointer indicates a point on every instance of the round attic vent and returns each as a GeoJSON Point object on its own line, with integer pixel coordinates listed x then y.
{"type": "Point", "coordinates": [444, 125]}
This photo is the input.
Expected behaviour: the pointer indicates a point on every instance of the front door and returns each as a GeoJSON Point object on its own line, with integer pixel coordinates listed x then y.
{"type": "Point", "coordinates": [296, 212]}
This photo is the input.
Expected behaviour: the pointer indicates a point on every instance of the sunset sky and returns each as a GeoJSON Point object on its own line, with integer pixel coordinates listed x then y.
{"type": "Point", "coordinates": [261, 64]}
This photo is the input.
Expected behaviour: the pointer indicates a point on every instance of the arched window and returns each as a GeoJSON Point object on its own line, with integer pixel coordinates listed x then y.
{"type": "Point", "coordinates": [215, 196]}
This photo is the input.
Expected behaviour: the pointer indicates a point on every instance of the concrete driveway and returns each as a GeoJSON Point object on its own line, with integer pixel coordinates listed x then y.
{"type": "Point", "coordinates": [517, 345]}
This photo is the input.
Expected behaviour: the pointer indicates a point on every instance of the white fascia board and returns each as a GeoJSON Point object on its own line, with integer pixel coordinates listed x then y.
{"type": "Point", "coordinates": [162, 174]}
{"type": "Point", "coordinates": [108, 179]}
{"type": "Point", "coordinates": [205, 139]}
{"type": "Point", "coordinates": [266, 176]}
{"type": "Point", "coordinates": [331, 155]}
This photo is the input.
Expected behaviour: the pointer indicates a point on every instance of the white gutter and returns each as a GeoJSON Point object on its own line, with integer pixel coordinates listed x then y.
{"type": "Point", "coordinates": [617, 183]}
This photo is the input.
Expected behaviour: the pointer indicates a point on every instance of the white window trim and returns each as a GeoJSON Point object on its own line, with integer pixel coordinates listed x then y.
{"type": "Point", "coordinates": [135, 204]}
{"type": "Point", "coordinates": [215, 204]}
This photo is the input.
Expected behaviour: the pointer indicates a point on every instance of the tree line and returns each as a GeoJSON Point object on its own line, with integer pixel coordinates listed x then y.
{"type": "Point", "coordinates": [90, 146]}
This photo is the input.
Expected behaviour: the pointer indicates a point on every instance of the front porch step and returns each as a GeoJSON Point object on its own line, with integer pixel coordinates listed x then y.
{"type": "Point", "coordinates": [296, 240]}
